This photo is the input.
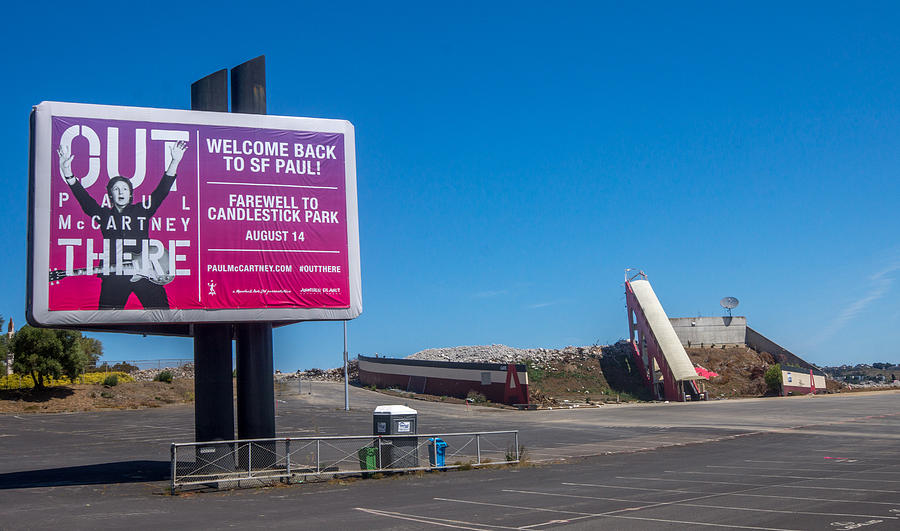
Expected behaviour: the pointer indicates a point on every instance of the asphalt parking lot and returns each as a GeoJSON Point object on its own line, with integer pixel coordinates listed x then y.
{"type": "Point", "coordinates": [827, 462]}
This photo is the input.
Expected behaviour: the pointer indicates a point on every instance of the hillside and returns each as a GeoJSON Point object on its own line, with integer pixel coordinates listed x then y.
{"type": "Point", "coordinates": [596, 374]}
{"type": "Point", "coordinates": [605, 373]}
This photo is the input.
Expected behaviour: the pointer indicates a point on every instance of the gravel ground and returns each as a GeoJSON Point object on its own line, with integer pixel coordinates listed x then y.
{"type": "Point", "coordinates": [148, 375]}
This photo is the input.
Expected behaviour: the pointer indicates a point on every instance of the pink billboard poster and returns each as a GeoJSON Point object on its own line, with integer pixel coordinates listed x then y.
{"type": "Point", "coordinates": [188, 216]}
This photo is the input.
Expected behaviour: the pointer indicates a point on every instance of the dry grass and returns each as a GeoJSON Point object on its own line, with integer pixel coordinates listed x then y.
{"type": "Point", "coordinates": [88, 397]}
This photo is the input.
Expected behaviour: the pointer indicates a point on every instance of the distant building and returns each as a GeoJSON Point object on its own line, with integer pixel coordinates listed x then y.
{"type": "Point", "coordinates": [505, 383]}
{"type": "Point", "coordinates": [800, 381]}
{"type": "Point", "coordinates": [728, 331]}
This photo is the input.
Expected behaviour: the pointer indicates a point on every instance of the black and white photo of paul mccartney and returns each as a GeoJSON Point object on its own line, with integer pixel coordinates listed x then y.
{"type": "Point", "coordinates": [124, 220]}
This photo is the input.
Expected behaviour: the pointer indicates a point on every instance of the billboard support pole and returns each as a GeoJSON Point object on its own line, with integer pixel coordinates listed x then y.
{"type": "Point", "coordinates": [346, 375]}
{"type": "Point", "coordinates": [213, 396]}
{"type": "Point", "coordinates": [255, 383]}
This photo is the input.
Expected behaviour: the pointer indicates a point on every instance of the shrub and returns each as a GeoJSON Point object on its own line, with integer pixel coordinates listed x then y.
{"type": "Point", "coordinates": [99, 377]}
{"type": "Point", "coordinates": [476, 397]}
{"type": "Point", "coordinates": [511, 453]}
{"type": "Point", "coordinates": [124, 366]}
{"type": "Point", "coordinates": [18, 381]}
{"type": "Point", "coordinates": [164, 376]}
{"type": "Point", "coordinates": [535, 375]}
{"type": "Point", "coordinates": [463, 465]}
{"type": "Point", "coordinates": [773, 379]}
{"type": "Point", "coordinates": [111, 380]}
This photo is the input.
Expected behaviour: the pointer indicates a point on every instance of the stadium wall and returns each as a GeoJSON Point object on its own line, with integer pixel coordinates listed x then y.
{"type": "Point", "coordinates": [498, 382]}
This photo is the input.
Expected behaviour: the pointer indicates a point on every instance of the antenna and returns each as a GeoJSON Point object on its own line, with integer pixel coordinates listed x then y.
{"type": "Point", "coordinates": [638, 274]}
{"type": "Point", "coordinates": [729, 303]}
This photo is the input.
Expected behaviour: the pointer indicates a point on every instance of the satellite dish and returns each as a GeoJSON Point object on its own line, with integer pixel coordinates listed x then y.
{"type": "Point", "coordinates": [729, 303]}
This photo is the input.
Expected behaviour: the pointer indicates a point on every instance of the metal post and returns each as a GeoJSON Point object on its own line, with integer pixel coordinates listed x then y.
{"type": "Point", "coordinates": [248, 86]}
{"type": "Point", "coordinates": [346, 371]}
{"type": "Point", "coordinates": [517, 447]}
{"type": "Point", "coordinates": [255, 384]}
{"type": "Point", "coordinates": [378, 462]}
{"type": "Point", "coordinates": [214, 407]}
{"type": "Point", "coordinates": [256, 387]}
{"type": "Point", "coordinates": [174, 456]}
{"type": "Point", "coordinates": [213, 395]}
{"type": "Point", "coordinates": [287, 457]}
{"type": "Point", "coordinates": [317, 455]}
{"type": "Point", "coordinates": [478, 446]}
{"type": "Point", "coordinates": [249, 459]}
{"type": "Point", "coordinates": [211, 92]}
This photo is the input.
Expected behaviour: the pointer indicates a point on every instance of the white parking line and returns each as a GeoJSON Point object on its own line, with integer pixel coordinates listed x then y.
{"type": "Point", "coordinates": [619, 516]}
{"type": "Point", "coordinates": [855, 502]}
{"type": "Point", "coordinates": [793, 486]}
{"type": "Point", "coordinates": [630, 488]}
{"type": "Point", "coordinates": [455, 524]}
{"type": "Point", "coordinates": [850, 450]}
{"type": "Point", "coordinates": [705, 506]}
{"type": "Point", "coordinates": [842, 478]}
{"type": "Point", "coordinates": [845, 465]}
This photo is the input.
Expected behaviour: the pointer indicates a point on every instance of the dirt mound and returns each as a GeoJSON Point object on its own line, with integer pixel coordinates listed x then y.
{"type": "Point", "coordinates": [741, 370]}
{"type": "Point", "coordinates": [595, 374]}
{"type": "Point", "coordinates": [88, 397]}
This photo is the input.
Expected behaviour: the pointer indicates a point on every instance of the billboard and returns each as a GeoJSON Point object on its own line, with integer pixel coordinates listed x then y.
{"type": "Point", "coordinates": [144, 215]}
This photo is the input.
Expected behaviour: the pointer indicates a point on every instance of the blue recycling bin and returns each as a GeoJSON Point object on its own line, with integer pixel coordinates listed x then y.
{"type": "Point", "coordinates": [436, 451]}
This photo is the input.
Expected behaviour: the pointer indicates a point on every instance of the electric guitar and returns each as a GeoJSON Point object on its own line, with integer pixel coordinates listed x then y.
{"type": "Point", "coordinates": [135, 267]}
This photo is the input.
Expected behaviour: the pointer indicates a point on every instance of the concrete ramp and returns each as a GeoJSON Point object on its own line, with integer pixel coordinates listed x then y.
{"type": "Point", "coordinates": [661, 327]}
{"type": "Point", "coordinates": [658, 351]}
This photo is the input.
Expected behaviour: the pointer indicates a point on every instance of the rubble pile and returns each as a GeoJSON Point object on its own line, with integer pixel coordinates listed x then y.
{"type": "Point", "coordinates": [322, 375]}
{"type": "Point", "coordinates": [148, 375]}
{"type": "Point", "coordinates": [539, 357]}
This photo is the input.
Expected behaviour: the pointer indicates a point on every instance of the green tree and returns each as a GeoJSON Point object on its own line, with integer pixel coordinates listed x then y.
{"type": "Point", "coordinates": [45, 353]}
{"type": "Point", "coordinates": [93, 349]}
{"type": "Point", "coordinates": [773, 379]}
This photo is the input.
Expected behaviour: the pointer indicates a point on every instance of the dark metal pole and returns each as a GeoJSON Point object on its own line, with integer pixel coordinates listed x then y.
{"type": "Point", "coordinates": [248, 86]}
{"type": "Point", "coordinates": [256, 387]}
{"type": "Point", "coordinates": [346, 371]}
{"type": "Point", "coordinates": [213, 396]}
{"type": "Point", "coordinates": [211, 92]}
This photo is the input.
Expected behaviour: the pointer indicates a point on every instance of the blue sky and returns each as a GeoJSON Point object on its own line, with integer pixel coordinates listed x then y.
{"type": "Point", "coordinates": [515, 157]}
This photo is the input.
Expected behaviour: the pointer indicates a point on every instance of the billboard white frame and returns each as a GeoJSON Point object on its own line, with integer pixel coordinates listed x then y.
{"type": "Point", "coordinates": [37, 310]}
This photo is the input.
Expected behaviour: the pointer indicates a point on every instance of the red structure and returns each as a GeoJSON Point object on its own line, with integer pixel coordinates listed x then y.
{"type": "Point", "coordinates": [498, 382]}
{"type": "Point", "coordinates": [801, 381]}
{"type": "Point", "coordinates": [657, 351]}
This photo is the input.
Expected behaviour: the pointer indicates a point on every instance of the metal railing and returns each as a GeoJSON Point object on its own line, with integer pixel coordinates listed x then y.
{"type": "Point", "coordinates": [252, 462]}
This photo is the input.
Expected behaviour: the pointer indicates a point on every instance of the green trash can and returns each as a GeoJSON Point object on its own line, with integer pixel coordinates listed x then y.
{"type": "Point", "coordinates": [368, 459]}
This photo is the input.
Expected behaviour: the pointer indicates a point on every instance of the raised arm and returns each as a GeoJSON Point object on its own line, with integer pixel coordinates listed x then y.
{"type": "Point", "coordinates": [65, 165]}
{"type": "Point", "coordinates": [88, 204]}
{"type": "Point", "coordinates": [177, 151]}
{"type": "Point", "coordinates": [165, 184]}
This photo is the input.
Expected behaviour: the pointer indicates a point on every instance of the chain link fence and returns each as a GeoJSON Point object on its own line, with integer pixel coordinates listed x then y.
{"type": "Point", "coordinates": [158, 364]}
{"type": "Point", "coordinates": [247, 463]}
